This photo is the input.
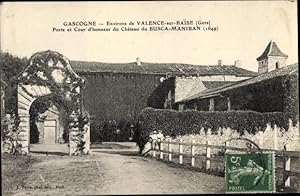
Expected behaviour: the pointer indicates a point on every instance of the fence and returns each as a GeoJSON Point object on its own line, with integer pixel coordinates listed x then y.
{"type": "Point", "coordinates": [159, 146]}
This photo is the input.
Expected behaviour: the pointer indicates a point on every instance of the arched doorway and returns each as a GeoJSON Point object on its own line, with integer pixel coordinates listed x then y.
{"type": "Point", "coordinates": [49, 76]}
{"type": "Point", "coordinates": [48, 127]}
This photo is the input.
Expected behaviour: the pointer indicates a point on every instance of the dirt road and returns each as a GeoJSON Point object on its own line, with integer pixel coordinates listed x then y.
{"type": "Point", "coordinates": [106, 173]}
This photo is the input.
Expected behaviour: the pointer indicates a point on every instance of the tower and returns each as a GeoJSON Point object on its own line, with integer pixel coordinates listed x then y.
{"type": "Point", "coordinates": [272, 58]}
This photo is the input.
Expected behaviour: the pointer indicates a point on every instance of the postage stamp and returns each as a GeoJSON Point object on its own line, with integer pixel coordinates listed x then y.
{"type": "Point", "coordinates": [249, 172]}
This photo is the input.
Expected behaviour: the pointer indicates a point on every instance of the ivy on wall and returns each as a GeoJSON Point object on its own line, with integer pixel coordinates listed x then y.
{"type": "Point", "coordinates": [118, 97]}
{"type": "Point", "coordinates": [172, 122]}
{"type": "Point", "coordinates": [52, 70]}
{"type": "Point", "coordinates": [279, 94]}
{"type": "Point", "coordinates": [291, 96]}
{"type": "Point", "coordinates": [11, 133]}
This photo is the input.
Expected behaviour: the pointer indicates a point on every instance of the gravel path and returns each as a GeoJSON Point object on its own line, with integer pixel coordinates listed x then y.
{"type": "Point", "coordinates": [106, 173]}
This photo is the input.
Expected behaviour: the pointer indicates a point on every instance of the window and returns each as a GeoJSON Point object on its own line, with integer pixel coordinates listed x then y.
{"type": "Point", "coordinates": [277, 65]}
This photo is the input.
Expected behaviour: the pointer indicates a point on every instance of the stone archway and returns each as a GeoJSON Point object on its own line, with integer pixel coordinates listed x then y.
{"type": "Point", "coordinates": [50, 74]}
{"type": "Point", "coordinates": [47, 122]}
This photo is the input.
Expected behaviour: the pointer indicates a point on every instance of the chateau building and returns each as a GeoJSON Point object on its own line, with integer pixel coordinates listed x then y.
{"type": "Point", "coordinates": [274, 89]}
{"type": "Point", "coordinates": [117, 92]}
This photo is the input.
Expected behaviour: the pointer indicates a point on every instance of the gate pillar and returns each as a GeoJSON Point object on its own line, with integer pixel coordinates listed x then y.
{"type": "Point", "coordinates": [24, 136]}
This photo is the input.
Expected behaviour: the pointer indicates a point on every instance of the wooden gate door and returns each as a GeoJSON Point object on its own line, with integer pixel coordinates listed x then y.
{"type": "Point", "coordinates": [50, 131]}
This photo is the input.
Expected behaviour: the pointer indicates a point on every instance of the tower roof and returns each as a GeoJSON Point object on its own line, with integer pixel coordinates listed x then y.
{"type": "Point", "coordinates": [271, 50]}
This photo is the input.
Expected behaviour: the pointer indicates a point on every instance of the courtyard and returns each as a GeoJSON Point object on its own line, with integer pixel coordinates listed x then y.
{"type": "Point", "coordinates": [115, 170]}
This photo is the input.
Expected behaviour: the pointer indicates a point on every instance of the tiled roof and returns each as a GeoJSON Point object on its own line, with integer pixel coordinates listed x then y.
{"type": "Point", "coordinates": [160, 68]}
{"type": "Point", "coordinates": [271, 50]}
{"type": "Point", "coordinates": [286, 70]}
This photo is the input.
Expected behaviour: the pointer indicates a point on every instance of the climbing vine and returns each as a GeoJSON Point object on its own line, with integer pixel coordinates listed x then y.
{"type": "Point", "coordinates": [53, 71]}
{"type": "Point", "coordinates": [11, 133]}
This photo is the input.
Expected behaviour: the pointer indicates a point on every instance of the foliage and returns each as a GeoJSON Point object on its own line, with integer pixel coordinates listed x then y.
{"type": "Point", "coordinates": [83, 122]}
{"type": "Point", "coordinates": [172, 122]}
{"type": "Point", "coordinates": [52, 70]}
{"type": "Point", "coordinates": [119, 97]}
{"type": "Point", "coordinates": [11, 66]}
{"type": "Point", "coordinates": [97, 132]}
{"type": "Point", "coordinates": [159, 97]}
{"type": "Point", "coordinates": [291, 95]}
{"type": "Point", "coordinates": [64, 90]}
{"type": "Point", "coordinates": [78, 125]}
{"type": "Point", "coordinates": [278, 94]}
{"type": "Point", "coordinates": [111, 131]}
{"type": "Point", "coordinates": [34, 132]}
{"type": "Point", "coordinates": [11, 133]}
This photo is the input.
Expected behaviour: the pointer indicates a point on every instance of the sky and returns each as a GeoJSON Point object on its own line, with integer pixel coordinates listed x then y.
{"type": "Point", "coordinates": [244, 30]}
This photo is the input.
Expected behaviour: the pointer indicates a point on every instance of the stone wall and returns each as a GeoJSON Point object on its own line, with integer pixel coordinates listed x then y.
{"type": "Point", "coordinates": [273, 60]}
{"type": "Point", "coordinates": [189, 86]}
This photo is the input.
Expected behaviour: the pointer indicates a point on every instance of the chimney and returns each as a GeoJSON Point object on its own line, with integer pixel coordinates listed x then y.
{"type": "Point", "coordinates": [220, 62]}
{"type": "Point", "coordinates": [138, 61]}
{"type": "Point", "coordinates": [237, 63]}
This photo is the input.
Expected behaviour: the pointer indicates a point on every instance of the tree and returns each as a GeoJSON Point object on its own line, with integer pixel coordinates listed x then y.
{"type": "Point", "coordinates": [11, 66]}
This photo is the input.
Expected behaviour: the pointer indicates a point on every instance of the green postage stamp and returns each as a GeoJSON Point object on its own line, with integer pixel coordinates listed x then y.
{"type": "Point", "coordinates": [249, 172]}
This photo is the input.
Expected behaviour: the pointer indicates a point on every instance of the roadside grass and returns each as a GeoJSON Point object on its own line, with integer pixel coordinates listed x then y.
{"type": "Point", "coordinates": [14, 171]}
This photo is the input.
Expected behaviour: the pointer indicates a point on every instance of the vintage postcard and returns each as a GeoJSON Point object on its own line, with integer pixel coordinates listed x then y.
{"type": "Point", "coordinates": [149, 97]}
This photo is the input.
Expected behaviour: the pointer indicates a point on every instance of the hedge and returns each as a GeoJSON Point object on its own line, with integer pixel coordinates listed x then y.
{"type": "Point", "coordinates": [106, 131]}
{"type": "Point", "coordinates": [172, 122]}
